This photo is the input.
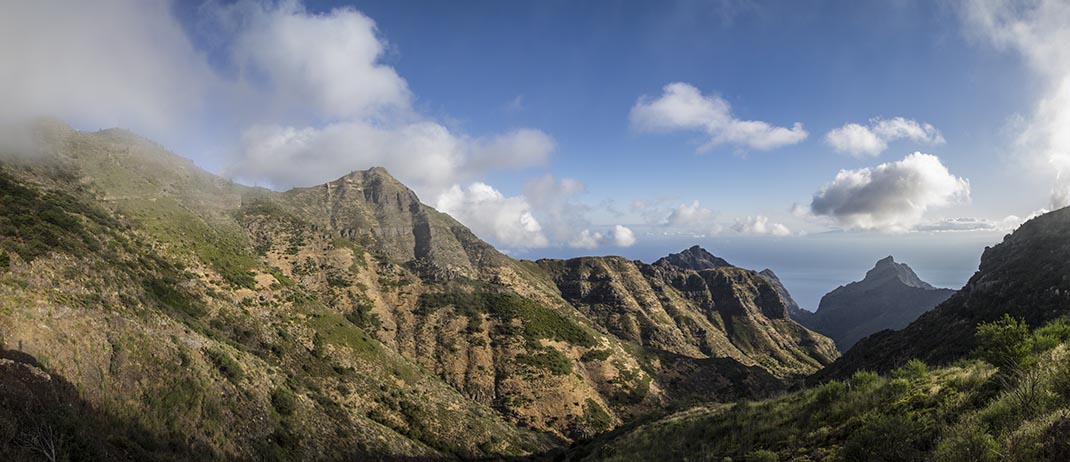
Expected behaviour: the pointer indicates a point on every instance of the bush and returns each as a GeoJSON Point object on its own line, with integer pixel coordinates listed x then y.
{"type": "Point", "coordinates": [762, 455]}
{"type": "Point", "coordinates": [1005, 343]}
{"type": "Point", "coordinates": [550, 359]}
{"type": "Point", "coordinates": [284, 401]}
{"type": "Point", "coordinates": [915, 369]}
{"type": "Point", "coordinates": [1051, 335]}
{"type": "Point", "coordinates": [863, 380]}
{"type": "Point", "coordinates": [967, 442]}
{"type": "Point", "coordinates": [888, 438]}
{"type": "Point", "coordinates": [226, 364]}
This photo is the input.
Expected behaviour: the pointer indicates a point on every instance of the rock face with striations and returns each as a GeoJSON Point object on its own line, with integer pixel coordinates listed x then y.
{"type": "Point", "coordinates": [1026, 276]}
{"type": "Point", "coordinates": [692, 304]}
{"type": "Point", "coordinates": [889, 297]}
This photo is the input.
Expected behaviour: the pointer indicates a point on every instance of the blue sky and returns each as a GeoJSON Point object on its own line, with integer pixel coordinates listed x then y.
{"type": "Point", "coordinates": [556, 128]}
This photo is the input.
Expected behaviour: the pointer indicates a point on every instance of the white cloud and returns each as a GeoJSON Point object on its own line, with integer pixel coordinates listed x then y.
{"type": "Point", "coordinates": [619, 235]}
{"type": "Point", "coordinates": [692, 215]}
{"type": "Point", "coordinates": [760, 225]}
{"type": "Point", "coordinates": [507, 220]}
{"type": "Point", "coordinates": [861, 140]}
{"type": "Point", "coordinates": [1039, 30]}
{"type": "Point", "coordinates": [683, 107]}
{"type": "Point", "coordinates": [107, 63]}
{"type": "Point", "coordinates": [623, 236]}
{"type": "Point", "coordinates": [329, 61]}
{"type": "Point", "coordinates": [330, 64]}
{"type": "Point", "coordinates": [892, 196]}
{"type": "Point", "coordinates": [558, 206]}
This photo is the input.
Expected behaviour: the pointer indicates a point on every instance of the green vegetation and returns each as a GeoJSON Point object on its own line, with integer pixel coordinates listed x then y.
{"type": "Point", "coordinates": [362, 317]}
{"type": "Point", "coordinates": [548, 359]}
{"type": "Point", "coordinates": [226, 364]}
{"type": "Point", "coordinates": [34, 223]}
{"type": "Point", "coordinates": [538, 321]}
{"type": "Point", "coordinates": [1012, 406]}
{"type": "Point", "coordinates": [220, 245]}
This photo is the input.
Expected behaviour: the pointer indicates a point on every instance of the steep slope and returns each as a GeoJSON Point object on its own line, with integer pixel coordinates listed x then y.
{"type": "Point", "coordinates": [165, 344]}
{"type": "Point", "coordinates": [1026, 276]}
{"type": "Point", "coordinates": [796, 312]}
{"type": "Point", "coordinates": [889, 297]}
{"type": "Point", "coordinates": [693, 305]}
{"type": "Point", "coordinates": [281, 276]}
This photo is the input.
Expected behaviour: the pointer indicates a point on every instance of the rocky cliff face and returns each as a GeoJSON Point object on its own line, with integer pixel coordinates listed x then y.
{"type": "Point", "coordinates": [693, 307]}
{"type": "Point", "coordinates": [889, 297]}
{"type": "Point", "coordinates": [1027, 276]}
{"type": "Point", "coordinates": [796, 312]}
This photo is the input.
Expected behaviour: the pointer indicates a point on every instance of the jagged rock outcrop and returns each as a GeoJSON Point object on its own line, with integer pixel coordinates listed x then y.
{"type": "Point", "coordinates": [692, 304]}
{"type": "Point", "coordinates": [889, 297]}
{"type": "Point", "coordinates": [1026, 276]}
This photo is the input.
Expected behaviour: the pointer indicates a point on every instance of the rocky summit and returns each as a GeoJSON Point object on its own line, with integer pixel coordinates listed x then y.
{"type": "Point", "coordinates": [889, 297]}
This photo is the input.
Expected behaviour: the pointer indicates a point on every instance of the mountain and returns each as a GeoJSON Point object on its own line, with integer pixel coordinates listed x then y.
{"type": "Point", "coordinates": [889, 297]}
{"type": "Point", "coordinates": [1027, 276]}
{"type": "Point", "coordinates": [349, 320]}
{"type": "Point", "coordinates": [794, 310]}
{"type": "Point", "coordinates": [694, 258]}
{"type": "Point", "coordinates": [692, 304]}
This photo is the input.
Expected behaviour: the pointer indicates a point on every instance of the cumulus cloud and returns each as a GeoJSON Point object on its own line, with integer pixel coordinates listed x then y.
{"type": "Point", "coordinates": [507, 220]}
{"type": "Point", "coordinates": [683, 107]}
{"type": "Point", "coordinates": [558, 204]}
{"type": "Point", "coordinates": [692, 215]}
{"type": "Point", "coordinates": [619, 235]}
{"type": "Point", "coordinates": [892, 196]}
{"type": "Point", "coordinates": [871, 140]}
{"type": "Point", "coordinates": [1038, 30]}
{"type": "Point", "coordinates": [108, 63]}
{"type": "Point", "coordinates": [330, 64]}
{"type": "Point", "coordinates": [760, 225]}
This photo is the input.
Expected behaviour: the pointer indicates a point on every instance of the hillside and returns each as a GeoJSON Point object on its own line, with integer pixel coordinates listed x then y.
{"type": "Point", "coordinates": [343, 320]}
{"type": "Point", "coordinates": [889, 297]}
{"type": "Point", "coordinates": [969, 411]}
{"type": "Point", "coordinates": [1027, 276]}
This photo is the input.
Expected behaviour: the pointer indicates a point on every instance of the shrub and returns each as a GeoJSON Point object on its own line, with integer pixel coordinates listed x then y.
{"type": "Point", "coordinates": [967, 442]}
{"type": "Point", "coordinates": [915, 369]}
{"type": "Point", "coordinates": [762, 455]}
{"type": "Point", "coordinates": [1005, 343]}
{"type": "Point", "coordinates": [595, 355]}
{"type": "Point", "coordinates": [230, 368]}
{"type": "Point", "coordinates": [284, 400]}
{"type": "Point", "coordinates": [888, 438]}
{"type": "Point", "coordinates": [550, 360]}
{"type": "Point", "coordinates": [863, 380]}
{"type": "Point", "coordinates": [1051, 334]}
{"type": "Point", "coordinates": [830, 393]}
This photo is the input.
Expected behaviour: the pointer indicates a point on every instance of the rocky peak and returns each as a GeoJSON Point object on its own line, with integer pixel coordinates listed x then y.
{"type": "Point", "coordinates": [886, 269]}
{"type": "Point", "coordinates": [695, 258]}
